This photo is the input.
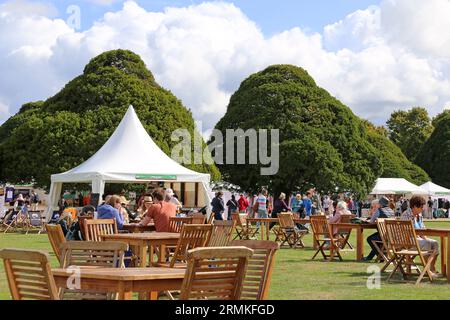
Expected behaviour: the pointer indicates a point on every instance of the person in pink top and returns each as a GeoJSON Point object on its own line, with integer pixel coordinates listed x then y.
{"type": "Point", "coordinates": [341, 209]}
{"type": "Point", "coordinates": [160, 212]}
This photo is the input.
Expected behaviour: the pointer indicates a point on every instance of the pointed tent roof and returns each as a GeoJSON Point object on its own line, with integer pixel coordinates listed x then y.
{"type": "Point", "coordinates": [396, 186]}
{"type": "Point", "coordinates": [435, 190]}
{"type": "Point", "coordinates": [130, 155]}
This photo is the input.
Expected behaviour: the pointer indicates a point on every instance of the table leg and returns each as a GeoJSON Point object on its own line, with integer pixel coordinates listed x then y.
{"type": "Point", "coordinates": [162, 253]}
{"type": "Point", "coordinates": [123, 294]}
{"type": "Point", "coordinates": [443, 263]}
{"type": "Point", "coordinates": [359, 244]}
{"type": "Point", "coordinates": [448, 258]}
{"type": "Point", "coordinates": [153, 295]}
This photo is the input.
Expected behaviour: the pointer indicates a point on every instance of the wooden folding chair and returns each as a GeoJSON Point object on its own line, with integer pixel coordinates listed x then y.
{"type": "Point", "coordinates": [323, 237]}
{"type": "Point", "coordinates": [198, 218]}
{"type": "Point", "coordinates": [259, 270]}
{"type": "Point", "coordinates": [56, 238]}
{"type": "Point", "coordinates": [384, 252]}
{"type": "Point", "coordinates": [192, 236]}
{"type": "Point", "coordinates": [290, 233]}
{"type": "Point", "coordinates": [105, 254]}
{"type": "Point", "coordinates": [215, 273]}
{"type": "Point", "coordinates": [405, 248]}
{"type": "Point", "coordinates": [29, 275]}
{"type": "Point", "coordinates": [175, 223]}
{"type": "Point", "coordinates": [94, 228]}
{"type": "Point", "coordinates": [344, 233]}
{"type": "Point", "coordinates": [221, 234]}
{"type": "Point", "coordinates": [211, 218]}
{"type": "Point", "coordinates": [243, 232]}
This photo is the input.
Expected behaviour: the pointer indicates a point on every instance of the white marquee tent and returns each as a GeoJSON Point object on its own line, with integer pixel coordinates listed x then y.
{"type": "Point", "coordinates": [129, 156]}
{"type": "Point", "coordinates": [396, 186]}
{"type": "Point", "coordinates": [435, 190]}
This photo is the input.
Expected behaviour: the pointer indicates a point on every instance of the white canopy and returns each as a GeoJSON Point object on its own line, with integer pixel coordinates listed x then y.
{"type": "Point", "coordinates": [129, 156]}
{"type": "Point", "coordinates": [435, 190]}
{"type": "Point", "coordinates": [396, 186]}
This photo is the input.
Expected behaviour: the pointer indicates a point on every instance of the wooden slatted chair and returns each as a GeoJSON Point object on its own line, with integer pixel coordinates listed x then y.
{"type": "Point", "coordinates": [215, 273]}
{"type": "Point", "coordinates": [198, 218]}
{"type": "Point", "coordinates": [221, 234]}
{"type": "Point", "coordinates": [105, 254]}
{"type": "Point", "coordinates": [56, 238]}
{"type": "Point", "coordinates": [211, 218]}
{"type": "Point", "coordinates": [323, 237]}
{"type": "Point", "coordinates": [94, 228]}
{"type": "Point", "coordinates": [259, 270]}
{"type": "Point", "coordinates": [290, 234]}
{"type": "Point", "coordinates": [29, 275]}
{"type": "Point", "coordinates": [243, 232]}
{"type": "Point", "coordinates": [382, 246]}
{"type": "Point", "coordinates": [345, 233]}
{"type": "Point", "coordinates": [175, 223]}
{"type": "Point", "coordinates": [405, 248]}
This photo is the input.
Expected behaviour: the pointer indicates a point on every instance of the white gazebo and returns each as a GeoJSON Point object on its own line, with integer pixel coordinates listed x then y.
{"type": "Point", "coordinates": [129, 156]}
{"type": "Point", "coordinates": [396, 186]}
{"type": "Point", "coordinates": [435, 190]}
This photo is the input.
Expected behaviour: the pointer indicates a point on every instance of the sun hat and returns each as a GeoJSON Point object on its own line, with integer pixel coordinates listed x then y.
{"type": "Point", "coordinates": [169, 192]}
{"type": "Point", "coordinates": [148, 199]}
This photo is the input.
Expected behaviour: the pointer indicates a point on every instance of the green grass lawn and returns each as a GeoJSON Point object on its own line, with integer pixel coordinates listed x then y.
{"type": "Point", "coordinates": [295, 275]}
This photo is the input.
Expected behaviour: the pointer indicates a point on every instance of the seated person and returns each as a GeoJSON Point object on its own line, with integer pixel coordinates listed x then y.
{"type": "Point", "coordinates": [110, 210]}
{"type": "Point", "coordinates": [382, 210]}
{"type": "Point", "coordinates": [160, 212]}
{"type": "Point", "coordinates": [415, 214]}
{"type": "Point", "coordinates": [146, 204]}
{"type": "Point", "coordinates": [341, 209]}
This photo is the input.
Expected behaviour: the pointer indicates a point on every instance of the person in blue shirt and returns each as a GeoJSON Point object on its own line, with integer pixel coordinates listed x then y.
{"type": "Point", "coordinates": [296, 203]}
{"type": "Point", "coordinates": [110, 210]}
{"type": "Point", "coordinates": [307, 203]}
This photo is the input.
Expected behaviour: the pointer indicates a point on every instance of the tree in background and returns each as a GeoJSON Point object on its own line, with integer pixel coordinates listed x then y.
{"type": "Point", "coordinates": [60, 133]}
{"type": "Point", "coordinates": [395, 163]}
{"type": "Point", "coordinates": [409, 130]}
{"type": "Point", "coordinates": [434, 156]}
{"type": "Point", "coordinates": [322, 143]}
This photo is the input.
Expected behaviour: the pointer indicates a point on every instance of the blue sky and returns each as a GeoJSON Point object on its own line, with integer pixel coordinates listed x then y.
{"type": "Point", "coordinates": [271, 16]}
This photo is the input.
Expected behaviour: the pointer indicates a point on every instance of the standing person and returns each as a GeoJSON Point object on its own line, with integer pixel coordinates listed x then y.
{"type": "Point", "coordinates": [232, 205]}
{"type": "Point", "coordinates": [243, 203]}
{"type": "Point", "coordinates": [278, 207]}
{"type": "Point", "coordinates": [307, 203]}
{"type": "Point", "coordinates": [110, 210]}
{"type": "Point", "coordinates": [261, 204]}
{"type": "Point", "coordinates": [218, 207]}
{"type": "Point", "coordinates": [435, 208]}
{"type": "Point", "coordinates": [327, 203]}
{"type": "Point", "coordinates": [20, 201]}
{"type": "Point", "coordinates": [297, 205]}
{"type": "Point", "coordinates": [384, 211]}
{"type": "Point", "coordinates": [415, 214]}
{"type": "Point", "coordinates": [160, 212]}
{"type": "Point", "coordinates": [34, 201]}
{"type": "Point", "coordinates": [430, 208]}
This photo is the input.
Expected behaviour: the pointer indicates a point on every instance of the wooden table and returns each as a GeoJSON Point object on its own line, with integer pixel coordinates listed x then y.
{"type": "Point", "coordinates": [266, 223]}
{"type": "Point", "coordinates": [137, 228]}
{"type": "Point", "coordinates": [359, 235]}
{"type": "Point", "coordinates": [143, 241]}
{"type": "Point", "coordinates": [444, 235]}
{"type": "Point", "coordinates": [125, 281]}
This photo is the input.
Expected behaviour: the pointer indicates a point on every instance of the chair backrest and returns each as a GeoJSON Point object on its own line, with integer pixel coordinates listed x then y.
{"type": "Point", "coordinates": [346, 218]}
{"type": "Point", "coordinates": [87, 253]}
{"type": "Point", "coordinates": [240, 219]}
{"type": "Point", "coordinates": [175, 223]}
{"type": "Point", "coordinates": [259, 270]}
{"type": "Point", "coordinates": [192, 236]}
{"type": "Point", "coordinates": [29, 275]}
{"type": "Point", "coordinates": [286, 220]}
{"type": "Point", "coordinates": [215, 273]}
{"type": "Point", "coordinates": [56, 238]}
{"type": "Point", "coordinates": [221, 234]}
{"type": "Point", "coordinates": [401, 235]}
{"type": "Point", "coordinates": [198, 218]}
{"type": "Point", "coordinates": [81, 223]}
{"type": "Point", "coordinates": [35, 218]}
{"type": "Point", "coordinates": [211, 218]}
{"type": "Point", "coordinates": [320, 226]}
{"type": "Point", "coordinates": [94, 228]}
{"type": "Point", "coordinates": [381, 226]}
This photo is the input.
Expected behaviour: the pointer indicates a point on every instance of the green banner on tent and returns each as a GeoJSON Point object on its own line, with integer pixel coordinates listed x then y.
{"type": "Point", "coordinates": [156, 177]}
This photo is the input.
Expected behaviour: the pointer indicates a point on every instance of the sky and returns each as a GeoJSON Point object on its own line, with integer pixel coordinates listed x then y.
{"type": "Point", "coordinates": [376, 56]}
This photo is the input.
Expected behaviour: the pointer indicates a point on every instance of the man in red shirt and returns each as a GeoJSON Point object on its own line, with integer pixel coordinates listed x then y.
{"type": "Point", "coordinates": [160, 212]}
{"type": "Point", "coordinates": [243, 203]}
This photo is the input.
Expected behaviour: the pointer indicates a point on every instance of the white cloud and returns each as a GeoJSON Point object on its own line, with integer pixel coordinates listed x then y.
{"type": "Point", "coordinates": [202, 53]}
{"type": "Point", "coordinates": [25, 7]}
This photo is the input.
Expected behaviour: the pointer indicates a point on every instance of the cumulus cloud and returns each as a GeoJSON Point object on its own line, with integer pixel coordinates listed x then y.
{"type": "Point", "coordinates": [24, 7]}
{"type": "Point", "coordinates": [202, 53]}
